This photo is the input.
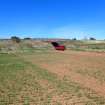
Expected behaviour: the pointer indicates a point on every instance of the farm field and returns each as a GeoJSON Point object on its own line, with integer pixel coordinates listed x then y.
{"type": "Point", "coordinates": [49, 77]}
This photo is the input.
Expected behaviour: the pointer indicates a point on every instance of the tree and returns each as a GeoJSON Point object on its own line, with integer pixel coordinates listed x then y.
{"type": "Point", "coordinates": [16, 39]}
{"type": "Point", "coordinates": [74, 39]}
{"type": "Point", "coordinates": [27, 38]}
{"type": "Point", "coordinates": [91, 38]}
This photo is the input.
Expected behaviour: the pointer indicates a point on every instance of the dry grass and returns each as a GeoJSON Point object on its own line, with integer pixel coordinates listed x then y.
{"type": "Point", "coordinates": [52, 78]}
{"type": "Point", "coordinates": [68, 65]}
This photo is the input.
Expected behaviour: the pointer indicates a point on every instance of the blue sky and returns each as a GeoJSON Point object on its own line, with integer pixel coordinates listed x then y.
{"type": "Point", "coordinates": [52, 18]}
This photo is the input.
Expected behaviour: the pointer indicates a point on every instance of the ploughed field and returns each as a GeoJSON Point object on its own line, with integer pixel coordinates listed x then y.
{"type": "Point", "coordinates": [52, 78]}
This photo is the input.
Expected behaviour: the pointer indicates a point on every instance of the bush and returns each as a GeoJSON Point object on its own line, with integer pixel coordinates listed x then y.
{"type": "Point", "coordinates": [16, 39]}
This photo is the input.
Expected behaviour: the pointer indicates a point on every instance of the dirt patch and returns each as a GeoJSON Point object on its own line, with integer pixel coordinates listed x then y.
{"type": "Point", "coordinates": [85, 81]}
{"type": "Point", "coordinates": [67, 63]}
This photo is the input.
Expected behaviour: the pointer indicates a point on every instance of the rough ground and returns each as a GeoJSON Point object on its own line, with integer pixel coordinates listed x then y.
{"type": "Point", "coordinates": [52, 78]}
{"type": "Point", "coordinates": [84, 68]}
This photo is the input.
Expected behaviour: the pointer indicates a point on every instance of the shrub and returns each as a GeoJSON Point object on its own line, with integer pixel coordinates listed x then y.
{"type": "Point", "coordinates": [16, 39]}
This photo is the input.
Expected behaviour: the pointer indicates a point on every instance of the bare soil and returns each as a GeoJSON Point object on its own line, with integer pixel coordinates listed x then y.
{"type": "Point", "coordinates": [68, 62]}
{"type": "Point", "coordinates": [71, 64]}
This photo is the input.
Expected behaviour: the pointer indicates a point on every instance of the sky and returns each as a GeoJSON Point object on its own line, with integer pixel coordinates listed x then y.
{"type": "Point", "coordinates": [52, 18]}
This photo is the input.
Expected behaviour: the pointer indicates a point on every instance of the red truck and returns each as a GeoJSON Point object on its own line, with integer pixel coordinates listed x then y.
{"type": "Point", "coordinates": [58, 47]}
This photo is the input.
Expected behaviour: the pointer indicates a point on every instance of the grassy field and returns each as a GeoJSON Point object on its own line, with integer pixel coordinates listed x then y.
{"type": "Point", "coordinates": [45, 77]}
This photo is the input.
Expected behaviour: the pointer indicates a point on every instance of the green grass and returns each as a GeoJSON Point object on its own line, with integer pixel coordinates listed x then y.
{"type": "Point", "coordinates": [19, 84]}
{"type": "Point", "coordinates": [13, 79]}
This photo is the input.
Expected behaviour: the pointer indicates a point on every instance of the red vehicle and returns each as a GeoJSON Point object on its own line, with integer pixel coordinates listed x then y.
{"type": "Point", "coordinates": [58, 47]}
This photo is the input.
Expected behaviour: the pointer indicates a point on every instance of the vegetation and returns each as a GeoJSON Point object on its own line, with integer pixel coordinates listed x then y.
{"type": "Point", "coordinates": [15, 39]}
{"type": "Point", "coordinates": [27, 83]}
{"type": "Point", "coordinates": [27, 38]}
{"type": "Point", "coordinates": [31, 73]}
{"type": "Point", "coordinates": [20, 45]}
{"type": "Point", "coordinates": [91, 38]}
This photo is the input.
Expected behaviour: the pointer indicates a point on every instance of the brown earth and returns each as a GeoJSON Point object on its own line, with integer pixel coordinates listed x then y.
{"type": "Point", "coordinates": [71, 64]}
{"type": "Point", "coordinates": [68, 62]}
